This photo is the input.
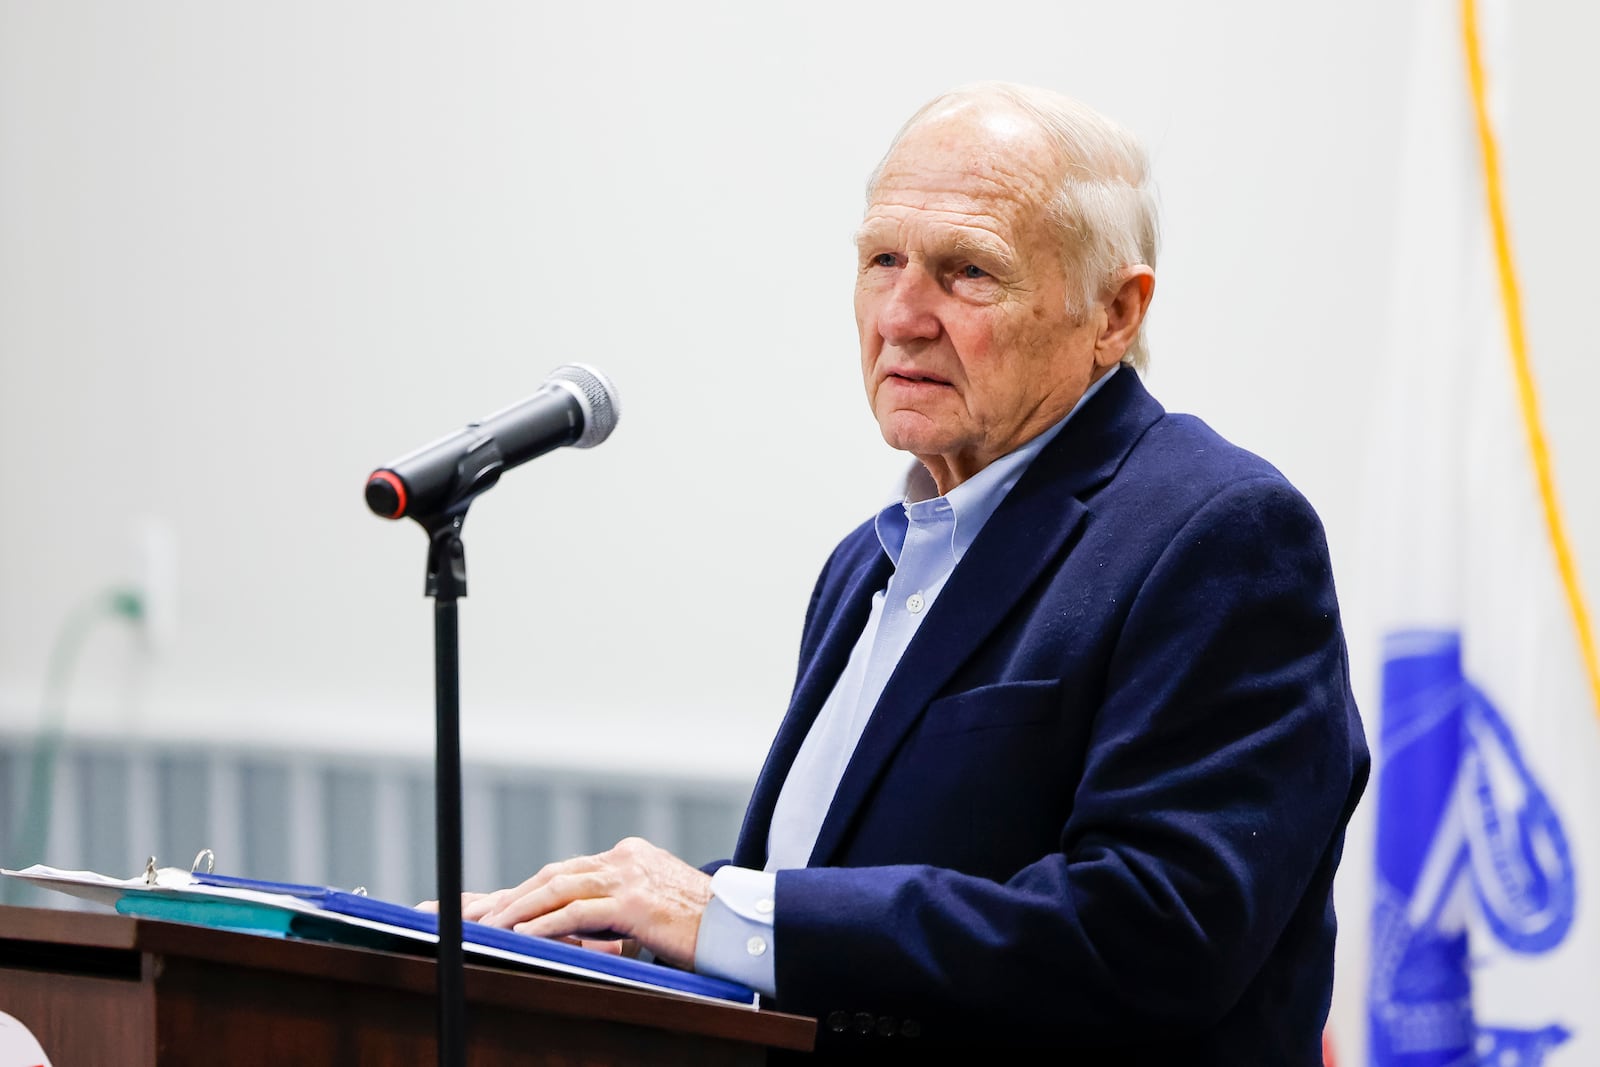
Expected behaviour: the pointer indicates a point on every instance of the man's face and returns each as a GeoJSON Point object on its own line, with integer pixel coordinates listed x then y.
{"type": "Point", "coordinates": [967, 347]}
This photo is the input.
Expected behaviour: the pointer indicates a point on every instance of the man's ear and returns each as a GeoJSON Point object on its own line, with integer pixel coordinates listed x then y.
{"type": "Point", "coordinates": [1124, 311]}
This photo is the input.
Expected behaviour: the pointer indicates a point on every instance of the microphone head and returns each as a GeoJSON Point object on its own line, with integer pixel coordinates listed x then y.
{"type": "Point", "coordinates": [596, 395]}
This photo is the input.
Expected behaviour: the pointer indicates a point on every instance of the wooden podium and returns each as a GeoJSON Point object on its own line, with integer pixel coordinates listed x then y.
{"type": "Point", "coordinates": [100, 989]}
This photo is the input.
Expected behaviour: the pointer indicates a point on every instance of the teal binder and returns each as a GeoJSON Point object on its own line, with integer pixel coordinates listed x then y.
{"type": "Point", "coordinates": [267, 919]}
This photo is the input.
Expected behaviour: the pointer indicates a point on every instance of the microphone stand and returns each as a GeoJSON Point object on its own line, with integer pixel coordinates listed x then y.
{"type": "Point", "coordinates": [457, 469]}
{"type": "Point", "coordinates": [478, 468]}
{"type": "Point", "coordinates": [446, 582]}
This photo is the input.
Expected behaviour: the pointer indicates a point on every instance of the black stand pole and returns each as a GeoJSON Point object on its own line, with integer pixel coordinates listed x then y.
{"type": "Point", "coordinates": [447, 581]}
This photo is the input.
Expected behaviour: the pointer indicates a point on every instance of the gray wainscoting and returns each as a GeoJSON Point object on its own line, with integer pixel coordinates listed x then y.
{"type": "Point", "coordinates": [337, 819]}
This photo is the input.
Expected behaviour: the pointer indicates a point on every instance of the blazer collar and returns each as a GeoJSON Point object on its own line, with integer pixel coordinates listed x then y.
{"type": "Point", "coordinates": [1029, 529]}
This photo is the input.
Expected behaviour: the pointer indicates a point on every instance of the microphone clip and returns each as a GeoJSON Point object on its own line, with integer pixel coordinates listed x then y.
{"type": "Point", "coordinates": [447, 555]}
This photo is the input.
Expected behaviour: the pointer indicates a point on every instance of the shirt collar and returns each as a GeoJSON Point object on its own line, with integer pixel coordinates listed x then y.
{"type": "Point", "coordinates": [968, 506]}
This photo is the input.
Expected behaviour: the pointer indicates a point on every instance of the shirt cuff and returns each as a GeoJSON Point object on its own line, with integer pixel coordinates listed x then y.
{"type": "Point", "coordinates": [735, 940]}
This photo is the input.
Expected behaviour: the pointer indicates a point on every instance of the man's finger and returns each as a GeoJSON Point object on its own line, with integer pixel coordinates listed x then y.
{"type": "Point", "coordinates": [555, 893]}
{"type": "Point", "coordinates": [474, 906]}
{"type": "Point", "coordinates": [580, 918]}
{"type": "Point", "coordinates": [468, 901]}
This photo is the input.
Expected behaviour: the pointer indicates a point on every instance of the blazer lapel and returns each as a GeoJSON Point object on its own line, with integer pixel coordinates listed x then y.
{"type": "Point", "coordinates": [1027, 533]}
{"type": "Point", "coordinates": [848, 614]}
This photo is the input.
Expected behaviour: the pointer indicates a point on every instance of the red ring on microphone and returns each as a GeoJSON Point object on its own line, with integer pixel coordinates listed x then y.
{"type": "Point", "coordinates": [397, 485]}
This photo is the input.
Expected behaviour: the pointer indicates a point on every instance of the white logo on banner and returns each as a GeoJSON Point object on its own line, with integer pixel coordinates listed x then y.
{"type": "Point", "coordinates": [18, 1046]}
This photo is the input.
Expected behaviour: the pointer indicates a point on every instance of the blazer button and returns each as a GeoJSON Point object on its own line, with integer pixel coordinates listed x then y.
{"type": "Point", "coordinates": [837, 1021]}
{"type": "Point", "coordinates": [885, 1026]}
{"type": "Point", "coordinates": [911, 1028]}
{"type": "Point", "coordinates": [864, 1022]}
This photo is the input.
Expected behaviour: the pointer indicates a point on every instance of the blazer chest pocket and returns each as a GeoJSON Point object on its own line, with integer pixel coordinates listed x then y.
{"type": "Point", "coordinates": [991, 707]}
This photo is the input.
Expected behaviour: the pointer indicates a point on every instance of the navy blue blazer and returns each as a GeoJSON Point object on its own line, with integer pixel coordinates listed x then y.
{"type": "Point", "coordinates": [1100, 803]}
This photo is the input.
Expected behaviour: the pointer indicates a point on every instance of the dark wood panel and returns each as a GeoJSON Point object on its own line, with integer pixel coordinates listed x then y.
{"type": "Point", "coordinates": [208, 1015]}
{"type": "Point", "coordinates": [94, 929]}
{"type": "Point", "coordinates": [80, 1020]}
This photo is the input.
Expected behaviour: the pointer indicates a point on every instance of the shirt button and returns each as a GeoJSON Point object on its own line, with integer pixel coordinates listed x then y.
{"type": "Point", "coordinates": [764, 905]}
{"type": "Point", "coordinates": [756, 946]}
{"type": "Point", "coordinates": [915, 603]}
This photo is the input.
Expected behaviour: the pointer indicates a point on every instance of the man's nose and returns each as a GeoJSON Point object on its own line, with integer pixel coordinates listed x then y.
{"type": "Point", "coordinates": [909, 312]}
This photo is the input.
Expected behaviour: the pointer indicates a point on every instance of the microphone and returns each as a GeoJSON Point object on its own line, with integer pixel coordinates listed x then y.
{"type": "Point", "coordinates": [577, 405]}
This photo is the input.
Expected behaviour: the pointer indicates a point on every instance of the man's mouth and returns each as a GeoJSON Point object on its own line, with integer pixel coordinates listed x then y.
{"type": "Point", "coordinates": [914, 376]}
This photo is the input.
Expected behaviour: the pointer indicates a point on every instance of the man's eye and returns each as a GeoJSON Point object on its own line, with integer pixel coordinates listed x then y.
{"type": "Point", "coordinates": [885, 259]}
{"type": "Point", "coordinates": [970, 271]}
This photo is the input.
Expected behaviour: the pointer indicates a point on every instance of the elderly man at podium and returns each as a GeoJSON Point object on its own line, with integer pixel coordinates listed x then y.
{"type": "Point", "coordinates": [1072, 747]}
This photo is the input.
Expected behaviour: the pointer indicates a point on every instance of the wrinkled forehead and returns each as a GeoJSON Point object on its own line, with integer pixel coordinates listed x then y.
{"type": "Point", "coordinates": [968, 152]}
{"type": "Point", "coordinates": [969, 169]}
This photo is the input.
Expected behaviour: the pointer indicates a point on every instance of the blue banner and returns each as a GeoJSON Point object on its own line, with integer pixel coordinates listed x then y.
{"type": "Point", "coordinates": [1468, 847]}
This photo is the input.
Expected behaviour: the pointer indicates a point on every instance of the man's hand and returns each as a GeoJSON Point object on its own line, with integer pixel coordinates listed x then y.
{"type": "Point", "coordinates": [634, 890]}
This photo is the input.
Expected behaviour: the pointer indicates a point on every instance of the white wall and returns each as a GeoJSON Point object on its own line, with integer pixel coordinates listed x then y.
{"type": "Point", "coordinates": [250, 251]}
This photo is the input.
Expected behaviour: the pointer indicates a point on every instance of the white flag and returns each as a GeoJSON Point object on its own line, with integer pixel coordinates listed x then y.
{"type": "Point", "coordinates": [1486, 903]}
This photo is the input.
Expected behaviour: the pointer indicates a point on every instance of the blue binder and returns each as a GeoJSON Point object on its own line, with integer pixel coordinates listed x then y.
{"type": "Point", "coordinates": [219, 911]}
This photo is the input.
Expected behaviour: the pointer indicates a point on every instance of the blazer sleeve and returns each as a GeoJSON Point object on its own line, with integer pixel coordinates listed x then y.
{"type": "Point", "coordinates": [1221, 766]}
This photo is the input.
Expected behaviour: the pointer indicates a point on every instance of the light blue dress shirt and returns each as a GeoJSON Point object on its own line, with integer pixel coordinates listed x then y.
{"type": "Point", "coordinates": [925, 539]}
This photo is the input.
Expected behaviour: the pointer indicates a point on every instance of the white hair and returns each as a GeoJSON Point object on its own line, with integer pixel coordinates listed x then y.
{"type": "Point", "coordinates": [1105, 206]}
